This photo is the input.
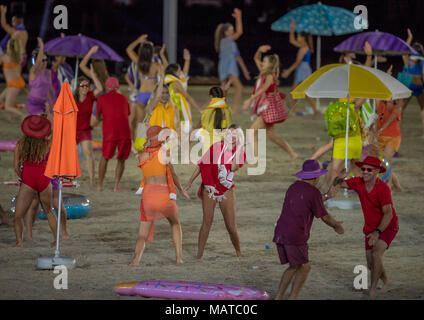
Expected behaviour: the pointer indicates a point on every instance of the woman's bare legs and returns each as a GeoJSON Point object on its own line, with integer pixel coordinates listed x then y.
{"type": "Point", "coordinates": [237, 95]}
{"type": "Point", "coordinates": [323, 150]}
{"type": "Point", "coordinates": [10, 102]}
{"type": "Point", "coordinates": [280, 142]}
{"type": "Point", "coordinates": [30, 218]}
{"type": "Point", "coordinates": [208, 205]}
{"type": "Point", "coordinates": [143, 233]}
{"type": "Point", "coordinates": [177, 237]}
{"type": "Point", "coordinates": [23, 202]}
{"type": "Point", "coordinates": [87, 148]}
{"type": "Point", "coordinates": [393, 179]}
{"type": "Point", "coordinates": [228, 209]}
{"type": "Point", "coordinates": [46, 204]}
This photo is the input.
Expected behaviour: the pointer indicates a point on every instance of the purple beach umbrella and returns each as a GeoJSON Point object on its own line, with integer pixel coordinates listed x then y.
{"type": "Point", "coordinates": [382, 43]}
{"type": "Point", "coordinates": [78, 46]}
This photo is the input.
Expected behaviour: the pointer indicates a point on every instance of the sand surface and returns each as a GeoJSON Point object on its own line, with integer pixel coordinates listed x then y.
{"type": "Point", "coordinates": [103, 242]}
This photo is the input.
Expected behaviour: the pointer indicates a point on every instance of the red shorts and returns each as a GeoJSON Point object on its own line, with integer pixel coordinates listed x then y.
{"type": "Point", "coordinates": [292, 254]}
{"type": "Point", "coordinates": [83, 135]}
{"type": "Point", "coordinates": [387, 236]}
{"type": "Point", "coordinates": [124, 149]}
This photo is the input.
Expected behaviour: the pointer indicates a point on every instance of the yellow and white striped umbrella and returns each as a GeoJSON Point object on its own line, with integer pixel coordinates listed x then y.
{"type": "Point", "coordinates": [351, 80]}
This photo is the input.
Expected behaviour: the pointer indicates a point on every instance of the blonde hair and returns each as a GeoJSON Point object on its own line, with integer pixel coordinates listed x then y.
{"type": "Point", "coordinates": [274, 66]}
{"type": "Point", "coordinates": [32, 149]}
{"type": "Point", "coordinates": [220, 34]}
{"type": "Point", "coordinates": [14, 50]}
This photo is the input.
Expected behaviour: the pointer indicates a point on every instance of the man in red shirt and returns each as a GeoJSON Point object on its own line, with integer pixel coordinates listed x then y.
{"type": "Point", "coordinates": [113, 107]}
{"type": "Point", "coordinates": [381, 222]}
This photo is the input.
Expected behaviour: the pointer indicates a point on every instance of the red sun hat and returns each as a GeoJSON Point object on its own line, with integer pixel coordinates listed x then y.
{"type": "Point", "coordinates": [35, 126]}
{"type": "Point", "coordinates": [371, 161]}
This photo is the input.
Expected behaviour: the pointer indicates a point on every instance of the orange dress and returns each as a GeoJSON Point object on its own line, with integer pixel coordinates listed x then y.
{"type": "Point", "coordinates": [158, 201]}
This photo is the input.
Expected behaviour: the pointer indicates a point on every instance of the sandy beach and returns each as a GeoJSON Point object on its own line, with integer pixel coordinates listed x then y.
{"type": "Point", "coordinates": [103, 241]}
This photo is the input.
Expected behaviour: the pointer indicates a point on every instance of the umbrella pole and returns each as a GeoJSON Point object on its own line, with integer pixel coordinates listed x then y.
{"type": "Point", "coordinates": [56, 252]}
{"type": "Point", "coordinates": [373, 100]}
{"type": "Point", "coordinates": [75, 79]}
{"type": "Point", "coordinates": [318, 62]}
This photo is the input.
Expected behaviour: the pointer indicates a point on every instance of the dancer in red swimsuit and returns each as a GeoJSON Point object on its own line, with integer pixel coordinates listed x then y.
{"type": "Point", "coordinates": [31, 155]}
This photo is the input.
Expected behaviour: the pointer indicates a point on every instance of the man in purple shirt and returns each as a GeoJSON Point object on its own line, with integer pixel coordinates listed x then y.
{"type": "Point", "coordinates": [303, 202]}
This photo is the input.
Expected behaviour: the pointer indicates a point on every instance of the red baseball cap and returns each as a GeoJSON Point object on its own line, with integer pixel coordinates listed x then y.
{"type": "Point", "coordinates": [112, 83]}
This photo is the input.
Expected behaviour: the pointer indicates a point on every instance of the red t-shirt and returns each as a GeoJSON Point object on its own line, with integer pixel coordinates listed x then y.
{"type": "Point", "coordinates": [372, 203]}
{"type": "Point", "coordinates": [115, 110]}
{"type": "Point", "coordinates": [85, 109]}
{"type": "Point", "coordinates": [302, 203]}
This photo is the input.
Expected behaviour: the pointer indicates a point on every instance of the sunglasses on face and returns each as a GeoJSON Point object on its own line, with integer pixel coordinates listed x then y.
{"type": "Point", "coordinates": [368, 169]}
{"type": "Point", "coordinates": [84, 85]}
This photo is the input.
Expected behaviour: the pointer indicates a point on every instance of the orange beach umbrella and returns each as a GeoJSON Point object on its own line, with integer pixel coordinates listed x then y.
{"type": "Point", "coordinates": [63, 158]}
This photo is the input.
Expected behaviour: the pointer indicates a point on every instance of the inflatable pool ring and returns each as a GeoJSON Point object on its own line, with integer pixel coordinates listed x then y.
{"type": "Point", "coordinates": [189, 290]}
{"type": "Point", "coordinates": [76, 206]}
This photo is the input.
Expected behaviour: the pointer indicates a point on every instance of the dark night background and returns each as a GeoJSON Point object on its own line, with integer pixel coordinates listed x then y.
{"type": "Point", "coordinates": [118, 22]}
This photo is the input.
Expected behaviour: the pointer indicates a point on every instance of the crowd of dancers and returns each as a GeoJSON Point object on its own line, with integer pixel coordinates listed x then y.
{"type": "Point", "coordinates": [160, 100]}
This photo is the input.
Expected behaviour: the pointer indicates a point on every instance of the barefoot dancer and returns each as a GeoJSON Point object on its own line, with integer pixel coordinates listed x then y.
{"type": "Point", "coordinates": [113, 109]}
{"type": "Point", "coordinates": [158, 195]}
{"type": "Point", "coordinates": [85, 98]}
{"type": "Point", "coordinates": [12, 72]}
{"type": "Point", "coordinates": [301, 67]}
{"type": "Point", "coordinates": [229, 56]}
{"type": "Point", "coordinates": [303, 202]}
{"type": "Point", "coordinates": [381, 221]}
{"type": "Point", "coordinates": [31, 151]}
{"type": "Point", "coordinates": [217, 169]}
{"type": "Point", "coordinates": [388, 133]}
{"type": "Point", "coordinates": [40, 98]}
{"type": "Point", "coordinates": [148, 72]}
{"type": "Point", "coordinates": [267, 98]}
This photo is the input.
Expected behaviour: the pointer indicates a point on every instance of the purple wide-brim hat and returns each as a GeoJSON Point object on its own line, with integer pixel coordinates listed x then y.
{"type": "Point", "coordinates": [310, 170]}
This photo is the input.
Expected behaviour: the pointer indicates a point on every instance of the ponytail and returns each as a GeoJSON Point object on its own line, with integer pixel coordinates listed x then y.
{"type": "Point", "coordinates": [220, 33]}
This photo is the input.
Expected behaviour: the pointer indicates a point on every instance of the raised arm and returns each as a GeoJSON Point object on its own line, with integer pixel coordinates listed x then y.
{"type": "Point", "coordinates": [258, 55]}
{"type": "Point", "coordinates": [187, 58]}
{"type": "Point", "coordinates": [368, 52]}
{"type": "Point", "coordinates": [397, 111]}
{"type": "Point", "coordinates": [84, 62]}
{"type": "Point", "coordinates": [165, 62]}
{"type": "Point", "coordinates": [38, 60]}
{"type": "Point", "coordinates": [59, 59]}
{"type": "Point", "coordinates": [239, 24]}
{"type": "Point", "coordinates": [7, 27]}
{"type": "Point", "coordinates": [97, 83]}
{"type": "Point", "coordinates": [408, 41]}
{"type": "Point", "coordinates": [292, 38]}
{"type": "Point", "coordinates": [130, 49]}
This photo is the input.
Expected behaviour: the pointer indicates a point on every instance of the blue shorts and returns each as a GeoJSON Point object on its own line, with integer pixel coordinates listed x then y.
{"type": "Point", "coordinates": [302, 72]}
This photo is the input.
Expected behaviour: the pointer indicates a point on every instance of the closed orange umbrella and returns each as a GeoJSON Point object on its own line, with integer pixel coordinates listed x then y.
{"type": "Point", "coordinates": [63, 158]}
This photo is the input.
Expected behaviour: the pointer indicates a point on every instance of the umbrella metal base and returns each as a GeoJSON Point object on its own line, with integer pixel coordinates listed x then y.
{"type": "Point", "coordinates": [48, 263]}
{"type": "Point", "coordinates": [343, 204]}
